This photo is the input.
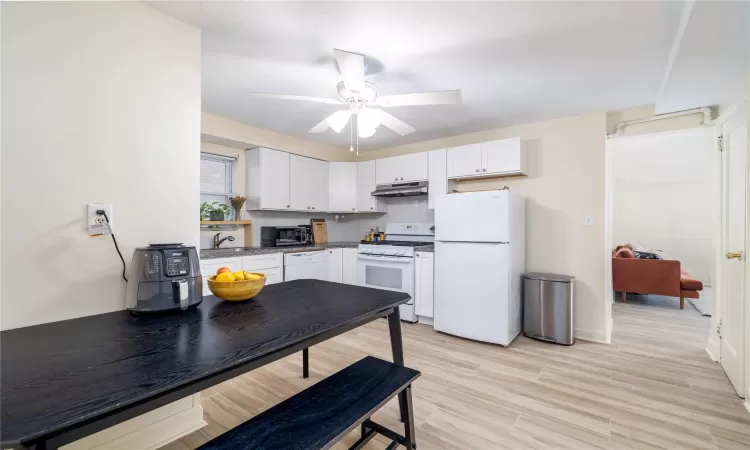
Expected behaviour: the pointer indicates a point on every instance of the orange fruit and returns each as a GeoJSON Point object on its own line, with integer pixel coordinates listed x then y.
{"type": "Point", "coordinates": [223, 269]}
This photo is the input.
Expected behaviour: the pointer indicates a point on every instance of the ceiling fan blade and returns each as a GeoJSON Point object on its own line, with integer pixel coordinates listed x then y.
{"type": "Point", "coordinates": [352, 67]}
{"type": "Point", "coordinates": [335, 121]}
{"type": "Point", "coordinates": [395, 124]}
{"type": "Point", "coordinates": [321, 127]}
{"type": "Point", "coordinates": [423, 98]}
{"type": "Point", "coordinates": [331, 101]}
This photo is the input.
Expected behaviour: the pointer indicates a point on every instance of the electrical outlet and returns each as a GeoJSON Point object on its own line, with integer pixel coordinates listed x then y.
{"type": "Point", "coordinates": [588, 221]}
{"type": "Point", "coordinates": [97, 224]}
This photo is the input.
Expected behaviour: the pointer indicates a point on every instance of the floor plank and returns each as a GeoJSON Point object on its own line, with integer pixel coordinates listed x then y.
{"type": "Point", "coordinates": [654, 387]}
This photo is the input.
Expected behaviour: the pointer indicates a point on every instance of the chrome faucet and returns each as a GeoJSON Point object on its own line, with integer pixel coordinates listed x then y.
{"type": "Point", "coordinates": [217, 241]}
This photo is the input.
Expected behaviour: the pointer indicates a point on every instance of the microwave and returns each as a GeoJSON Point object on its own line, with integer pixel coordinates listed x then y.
{"type": "Point", "coordinates": [285, 236]}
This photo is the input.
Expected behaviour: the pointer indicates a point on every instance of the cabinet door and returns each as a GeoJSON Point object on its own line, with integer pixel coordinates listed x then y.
{"type": "Point", "coordinates": [274, 176]}
{"type": "Point", "coordinates": [210, 266]}
{"type": "Point", "coordinates": [299, 184]}
{"type": "Point", "coordinates": [342, 187]}
{"type": "Point", "coordinates": [317, 187]}
{"type": "Point", "coordinates": [412, 167]}
{"type": "Point", "coordinates": [423, 284]}
{"type": "Point", "coordinates": [273, 275]}
{"type": "Point", "coordinates": [464, 161]}
{"type": "Point", "coordinates": [437, 176]}
{"type": "Point", "coordinates": [335, 265]}
{"type": "Point", "coordinates": [386, 171]}
{"type": "Point", "coordinates": [349, 265]}
{"type": "Point", "coordinates": [502, 156]}
{"type": "Point", "coordinates": [365, 185]}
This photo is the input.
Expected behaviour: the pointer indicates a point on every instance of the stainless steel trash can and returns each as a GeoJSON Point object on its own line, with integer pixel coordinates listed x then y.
{"type": "Point", "coordinates": [548, 307]}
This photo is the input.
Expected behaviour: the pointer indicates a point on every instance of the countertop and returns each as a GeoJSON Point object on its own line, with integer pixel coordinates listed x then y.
{"type": "Point", "coordinates": [105, 367]}
{"type": "Point", "coordinates": [425, 249]}
{"type": "Point", "coordinates": [251, 251]}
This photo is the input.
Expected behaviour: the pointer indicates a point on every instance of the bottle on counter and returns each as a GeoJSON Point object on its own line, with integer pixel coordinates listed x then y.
{"type": "Point", "coordinates": [376, 236]}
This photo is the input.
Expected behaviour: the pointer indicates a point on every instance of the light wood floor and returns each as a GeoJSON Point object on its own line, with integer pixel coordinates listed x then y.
{"type": "Point", "coordinates": [654, 387]}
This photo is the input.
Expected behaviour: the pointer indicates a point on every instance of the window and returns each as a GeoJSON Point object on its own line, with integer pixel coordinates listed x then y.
{"type": "Point", "coordinates": [217, 178]}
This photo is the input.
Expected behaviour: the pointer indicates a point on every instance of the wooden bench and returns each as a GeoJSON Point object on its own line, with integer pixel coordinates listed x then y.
{"type": "Point", "coordinates": [321, 415]}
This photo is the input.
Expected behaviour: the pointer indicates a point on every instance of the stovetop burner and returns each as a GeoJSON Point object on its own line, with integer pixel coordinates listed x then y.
{"type": "Point", "coordinates": [397, 243]}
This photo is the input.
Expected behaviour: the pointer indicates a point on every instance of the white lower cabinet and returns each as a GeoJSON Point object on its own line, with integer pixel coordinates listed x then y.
{"type": "Point", "coordinates": [335, 265]}
{"type": "Point", "coordinates": [349, 265]}
{"type": "Point", "coordinates": [210, 266]}
{"type": "Point", "coordinates": [424, 284]}
{"type": "Point", "coordinates": [271, 265]}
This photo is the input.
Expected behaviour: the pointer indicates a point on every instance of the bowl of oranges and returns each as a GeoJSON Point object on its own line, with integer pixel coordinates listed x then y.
{"type": "Point", "coordinates": [236, 286]}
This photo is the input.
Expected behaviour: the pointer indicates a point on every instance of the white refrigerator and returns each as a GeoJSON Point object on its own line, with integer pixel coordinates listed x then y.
{"type": "Point", "coordinates": [479, 260]}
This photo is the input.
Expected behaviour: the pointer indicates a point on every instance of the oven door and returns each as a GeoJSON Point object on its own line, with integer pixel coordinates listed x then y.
{"type": "Point", "coordinates": [393, 273]}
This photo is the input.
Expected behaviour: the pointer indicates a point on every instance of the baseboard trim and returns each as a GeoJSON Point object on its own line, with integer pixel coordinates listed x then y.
{"type": "Point", "coordinates": [712, 348]}
{"type": "Point", "coordinates": [424, 320]}
{"type": "Point", "coordinates": [599, 336]}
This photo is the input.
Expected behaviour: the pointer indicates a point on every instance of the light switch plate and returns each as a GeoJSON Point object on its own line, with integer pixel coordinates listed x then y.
{"type": "Point", "coordinates": [588, 221]}
{"type": "Point", "coordinates": [95, 223]}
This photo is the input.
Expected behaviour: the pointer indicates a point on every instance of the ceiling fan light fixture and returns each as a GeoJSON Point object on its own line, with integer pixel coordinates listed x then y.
{"type": "Point", "coordinates": [338, 120]}
{"type": "Point", "coordinates": [370, 118]}
{"type": "Point", "coordinates": [368, 94]}
{"type": "Point", "coordinates": [365, 132]}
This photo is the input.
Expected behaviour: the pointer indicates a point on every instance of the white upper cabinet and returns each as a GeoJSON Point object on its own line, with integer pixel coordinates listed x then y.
{"type": "Point", "coordinates": [267, 179]}
{"type": "Point", "coordinates": [342, 187]}
{"type": "Point", "coordinates": [365, 186]}
{"type": "Point", "coordinates": [438, 181]}
{"type": "Point", "coordinates": [507, 156]}
{"type": "Point", "coordinates": [397, 169]}
{"type": "Point", "coordinates": [464, 160]}
{"type": "Point", "coordinates": [495, 158]}
{"type": "Point", "coordinates": [308, 184]}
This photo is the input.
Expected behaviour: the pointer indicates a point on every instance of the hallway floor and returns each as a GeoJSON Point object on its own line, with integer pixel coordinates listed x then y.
{"type": "Point", "coordinates": [654, 387]}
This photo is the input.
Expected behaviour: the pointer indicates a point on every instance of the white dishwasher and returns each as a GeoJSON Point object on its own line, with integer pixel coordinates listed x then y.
{"type": "Point", "coordinates": [306, 265]}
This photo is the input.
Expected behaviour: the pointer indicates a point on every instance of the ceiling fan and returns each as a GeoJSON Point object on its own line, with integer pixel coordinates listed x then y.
{"type": "Point", "coordinates": [362, 99]}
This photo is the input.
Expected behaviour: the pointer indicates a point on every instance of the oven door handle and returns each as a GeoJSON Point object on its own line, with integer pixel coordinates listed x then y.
{"type": "Point", "coordinates": [396, 259]}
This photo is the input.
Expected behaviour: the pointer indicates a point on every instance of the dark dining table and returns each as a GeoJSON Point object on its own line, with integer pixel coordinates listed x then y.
{"type": "Point", "coordinates": [62, 381]}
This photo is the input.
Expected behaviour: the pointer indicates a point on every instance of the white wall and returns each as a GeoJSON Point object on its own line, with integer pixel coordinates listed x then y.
{"type": "Point", "coordinates": [101, 103]}
{"type": "Point", "coordinates": [565, 184]}
{"type": "Point", "coordinates": [664, 195]}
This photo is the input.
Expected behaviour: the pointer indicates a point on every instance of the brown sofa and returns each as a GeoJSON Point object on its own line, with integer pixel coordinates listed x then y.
{"type": "Point", "coordinates": [651, 276]}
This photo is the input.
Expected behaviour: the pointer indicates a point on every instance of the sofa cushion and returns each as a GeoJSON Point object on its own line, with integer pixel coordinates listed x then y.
{"type": "Point", "coordinates": [689, 283]}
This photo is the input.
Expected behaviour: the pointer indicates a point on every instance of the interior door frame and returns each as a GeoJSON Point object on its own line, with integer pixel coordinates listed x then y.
{"type": "Point", "coordinates": [713, 347]}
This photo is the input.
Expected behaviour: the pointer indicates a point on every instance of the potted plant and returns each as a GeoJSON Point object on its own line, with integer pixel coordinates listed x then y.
{"type": "Point", "coordinates": [214, 211]}
{"type": "Point", "coordinates": [237, 203]}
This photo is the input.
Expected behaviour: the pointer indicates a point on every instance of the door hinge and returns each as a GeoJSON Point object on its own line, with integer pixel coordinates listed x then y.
{"type": "Point", "coordinates": [718, 328]}
{"type": "Point", "coordinates": [720, 143]}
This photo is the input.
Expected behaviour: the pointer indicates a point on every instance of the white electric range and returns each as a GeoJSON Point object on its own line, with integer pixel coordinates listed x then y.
{"type": "Point", "coordinates": [390, 264]}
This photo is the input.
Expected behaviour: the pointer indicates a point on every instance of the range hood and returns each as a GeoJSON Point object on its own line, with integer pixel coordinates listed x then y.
{"type": "Point", "coordinates": [401, 189]}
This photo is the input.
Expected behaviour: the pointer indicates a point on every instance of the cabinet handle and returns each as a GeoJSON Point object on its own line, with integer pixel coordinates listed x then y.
{"type": "Point", "coordinates": [352, 209]}
{"type": "Point", "coordinates": [371, 207]}
{"type": "Point", "coordinates": [396, 178]}
{"type": "Point", "coordinates": [477, 170]}
{"type": "Point", "coordinates": [308, 207]}
{"type": "Point", "coordinates": [287, 206]}
{"type": "Point", "coordinates": [484, 170]}
{"type": "Point", "coordinates": [402, 178]}
{"type": "Point", "coordinates": [313, 207]}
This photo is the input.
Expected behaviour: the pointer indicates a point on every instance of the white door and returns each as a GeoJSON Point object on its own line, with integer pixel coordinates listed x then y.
{"type": "Point", "coordinates": [342, 187]}
{"type": "Point", "coordinates": [423, 284]}
{"type": "Point", "coordinates": [503, 156]}
{"type": "Point", "coordinates": [412, 167]}
{"type": "Point", "coordinates": [299, 184]}
{"type": "Point", "coordinates": [473, 217]}
{"type": "Point", "coordinates": [349, 265]}
{"type": "Point", "coordinates": [732, 338]}
{"type": "Point", "coordinates": [476, 307]}
{"type": "Point", "coordinates": [335, 265]}
{"type": "Point", "coordinates": [386, 170]}
{"type": "Point", "coordinates": [317, 187]}
{"type": "Point", "coordinates": [464, 161]}
{"type": "Point", "coordinates": [365, 186]}
{"type": "Point", "coordinates": [274, 189]}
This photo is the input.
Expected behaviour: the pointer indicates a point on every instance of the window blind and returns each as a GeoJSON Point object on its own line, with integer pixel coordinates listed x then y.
{"type": "Point", "coordinates": [217, 175]}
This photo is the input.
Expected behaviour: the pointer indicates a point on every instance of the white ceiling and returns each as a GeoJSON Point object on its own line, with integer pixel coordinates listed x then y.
{"type": "Point", "coordinates": [515, 62]}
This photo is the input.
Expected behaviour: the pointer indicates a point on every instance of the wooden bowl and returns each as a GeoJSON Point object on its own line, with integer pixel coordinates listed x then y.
{"type": "Point", "coordinates": [236, 291]}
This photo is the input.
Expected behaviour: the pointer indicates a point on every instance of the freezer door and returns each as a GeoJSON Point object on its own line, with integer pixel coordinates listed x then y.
{"type": "Point", "coordinates": [471, 290]}
{"type": "Point", "coordinates": [473, 217]}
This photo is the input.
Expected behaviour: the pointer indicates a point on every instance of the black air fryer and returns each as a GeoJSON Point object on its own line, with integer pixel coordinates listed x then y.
{"type": "Point", "coordinates": [164, 277]}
